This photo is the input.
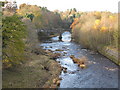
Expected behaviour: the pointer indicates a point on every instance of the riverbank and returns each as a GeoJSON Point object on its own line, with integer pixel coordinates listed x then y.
{"type": "Point", "coordinates": [37, 72]}
{"type": "Point", "coordinates": [110, 53]}
{"type": "Point", "coordinates": [107, 51]}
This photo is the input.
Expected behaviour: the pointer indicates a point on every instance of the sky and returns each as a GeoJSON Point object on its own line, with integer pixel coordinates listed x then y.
{"type": "Point", "coordinates": [80, 5]}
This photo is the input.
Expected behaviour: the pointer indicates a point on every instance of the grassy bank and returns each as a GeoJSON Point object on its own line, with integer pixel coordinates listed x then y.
{"type": "Point", "coordinates": [37, 72]}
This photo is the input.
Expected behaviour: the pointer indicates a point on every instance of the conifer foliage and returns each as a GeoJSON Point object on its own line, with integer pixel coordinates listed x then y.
{"type": "Point", "coordinates": [13, 34]}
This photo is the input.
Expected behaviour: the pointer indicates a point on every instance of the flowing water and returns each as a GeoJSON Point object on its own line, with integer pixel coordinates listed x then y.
{"type": "Point", "coordinates": [100, 71]}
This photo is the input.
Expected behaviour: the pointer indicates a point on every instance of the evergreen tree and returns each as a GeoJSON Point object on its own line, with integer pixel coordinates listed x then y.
{"type": "Point", "coordinates": [13, 46]}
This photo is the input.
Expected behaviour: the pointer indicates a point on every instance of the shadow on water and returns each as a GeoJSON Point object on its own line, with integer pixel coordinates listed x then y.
{"type": "Point", "coordinates": [100, 72]}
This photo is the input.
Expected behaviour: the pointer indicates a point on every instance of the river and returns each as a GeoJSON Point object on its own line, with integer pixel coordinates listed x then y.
{"type": "Point", "coordinates": [100, 71]}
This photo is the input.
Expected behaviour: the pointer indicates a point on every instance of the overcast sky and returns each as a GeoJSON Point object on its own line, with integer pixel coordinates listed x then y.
{"type": "Point", "coordinates": [80, 5]}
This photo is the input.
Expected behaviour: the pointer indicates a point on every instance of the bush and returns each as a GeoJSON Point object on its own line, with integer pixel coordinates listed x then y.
{"type": "Point", "coordinates": [96, 29]}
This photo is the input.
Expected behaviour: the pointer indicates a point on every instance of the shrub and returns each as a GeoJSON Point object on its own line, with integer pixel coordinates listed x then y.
{"type": "Point", "coordinates": [96, 29]}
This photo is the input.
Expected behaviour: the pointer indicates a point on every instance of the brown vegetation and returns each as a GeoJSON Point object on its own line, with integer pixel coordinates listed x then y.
{"type": "Point", "coordinates": [96, 29]}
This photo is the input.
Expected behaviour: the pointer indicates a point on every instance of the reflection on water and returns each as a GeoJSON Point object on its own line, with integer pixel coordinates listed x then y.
{"type": "Point", "coordinates": [96, 75]}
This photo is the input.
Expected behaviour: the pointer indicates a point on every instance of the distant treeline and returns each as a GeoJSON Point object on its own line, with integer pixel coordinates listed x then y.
{"type": "Point", "coordinates": [42, 17]}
